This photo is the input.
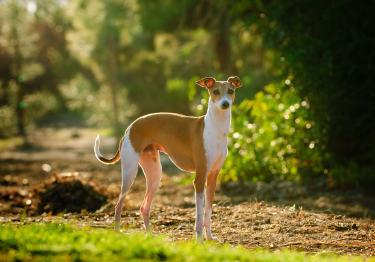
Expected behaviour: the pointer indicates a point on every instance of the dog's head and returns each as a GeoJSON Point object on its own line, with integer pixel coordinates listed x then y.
{"type": "Point", "coordinates": [221, 92]}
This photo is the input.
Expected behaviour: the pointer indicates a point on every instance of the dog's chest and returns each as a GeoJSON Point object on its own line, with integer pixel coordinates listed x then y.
{"type": "Point", "coordinates": [215, 144]}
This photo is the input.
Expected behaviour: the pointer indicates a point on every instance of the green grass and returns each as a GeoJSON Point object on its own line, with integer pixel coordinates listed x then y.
{"type": "Point", "coordinates": [54, 242]}
{"type": "Point", "coordinates": [85, 132]}
{"type": "Point", "coordinates": [11, 143]}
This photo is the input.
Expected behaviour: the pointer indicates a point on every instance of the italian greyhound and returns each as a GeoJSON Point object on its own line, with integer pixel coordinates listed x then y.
{"type": "Point", "coordinates": [194, 144]}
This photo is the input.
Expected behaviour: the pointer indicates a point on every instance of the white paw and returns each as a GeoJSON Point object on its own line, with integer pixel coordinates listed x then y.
{"type": "Point", "coordinates": [215, 239]}
{"type": "Point", "coordinates": [149, 233]}
{"type": "Point", "coordinates": [199, 241]}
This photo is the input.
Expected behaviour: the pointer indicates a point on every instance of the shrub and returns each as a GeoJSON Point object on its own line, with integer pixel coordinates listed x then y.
{"type": "Point", "coordinates": [272, 136]}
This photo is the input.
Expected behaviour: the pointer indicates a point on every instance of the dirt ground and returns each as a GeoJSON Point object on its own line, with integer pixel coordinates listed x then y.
{"type": "Point", "coordinates": [271, 215]}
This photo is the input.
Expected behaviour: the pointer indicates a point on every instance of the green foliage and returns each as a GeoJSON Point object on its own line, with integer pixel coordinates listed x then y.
{"type": "Point", "coordinates": [273, 136]}
{"type": "Point", "coordinates": [39, 104]}
{"type": "Point", "coordinates": [329, 49]}
{"type": "Point", "coordinates": [72, 55]}
{"type": "Point", "coordinates": [164, 15]}
{"type": "Point", "coordinates": [82, 97]}
{"type": "Point", "coordinates": [34, 61]}
{"type": "Point", "coordinates": [7, 121]}
{"type": "Point", "coordinates": [60, 242]}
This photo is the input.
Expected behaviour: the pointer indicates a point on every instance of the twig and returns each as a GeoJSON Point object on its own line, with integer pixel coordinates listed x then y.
{"type": "Point", "coordinates": [177, 229]}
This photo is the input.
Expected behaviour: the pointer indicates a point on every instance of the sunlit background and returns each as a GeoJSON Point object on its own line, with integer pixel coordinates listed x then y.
{"type": "Point", "coordinates": [306, 108]}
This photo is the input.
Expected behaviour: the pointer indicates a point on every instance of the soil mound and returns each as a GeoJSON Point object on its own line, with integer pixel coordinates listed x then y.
{"type": "Point", "coordinates": [68, 192]}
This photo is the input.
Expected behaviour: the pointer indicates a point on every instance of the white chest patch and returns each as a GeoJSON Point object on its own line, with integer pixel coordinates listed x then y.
{"type": "Point", "coordinates": [215, 144]}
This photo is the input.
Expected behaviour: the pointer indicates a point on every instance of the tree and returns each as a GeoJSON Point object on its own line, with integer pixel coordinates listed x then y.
{"type": "Point", "coordinates": [173, 16]}
{"type": "Point", "coordinates": [36, 58]}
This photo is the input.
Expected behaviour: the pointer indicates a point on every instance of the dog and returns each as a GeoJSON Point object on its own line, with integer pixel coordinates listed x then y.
{"type": "Point", "coordinates": [194, 144]}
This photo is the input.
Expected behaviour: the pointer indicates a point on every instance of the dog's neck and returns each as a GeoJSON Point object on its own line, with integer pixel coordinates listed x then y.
{"type": "Point", "coordinates": [219, 119]}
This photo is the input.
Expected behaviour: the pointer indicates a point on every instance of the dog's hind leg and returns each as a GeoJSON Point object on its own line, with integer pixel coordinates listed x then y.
{"type": "Point", "coordinates": [151, 166]}
{"type": "Point", "coordinates": [129, 166]}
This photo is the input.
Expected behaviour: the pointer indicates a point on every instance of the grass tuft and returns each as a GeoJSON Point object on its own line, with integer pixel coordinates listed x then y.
{"type": "Point", "coordinates": [66, 243]}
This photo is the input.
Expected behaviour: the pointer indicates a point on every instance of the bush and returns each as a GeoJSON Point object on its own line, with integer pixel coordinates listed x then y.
{"type": "Point", "coordinates": [272, 136]}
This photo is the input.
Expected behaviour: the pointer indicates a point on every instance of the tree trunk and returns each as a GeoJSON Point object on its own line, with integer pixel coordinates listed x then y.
{"type": "Point", "coordinates": [4, 95]}
{"type": "Point", "coordinates": [113, 82]}
{"type": "Point", "coordinates": [5, 76]}
{"type": "Point", "coordinates": [18, 65]}
{"type": "Point", "coordinates": [222, 45]}
{"type": "Point", "coordinates": [21, 114]}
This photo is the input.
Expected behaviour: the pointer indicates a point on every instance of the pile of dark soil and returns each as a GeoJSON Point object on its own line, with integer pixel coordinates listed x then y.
{"type": "Point", "coordinates": [69, 193]}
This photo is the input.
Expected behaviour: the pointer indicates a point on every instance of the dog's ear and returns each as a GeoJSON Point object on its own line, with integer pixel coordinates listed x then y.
{"type": "Point", "coordinates": [235, 81]}
{"type": "Point", "coordinates": [206, 82]}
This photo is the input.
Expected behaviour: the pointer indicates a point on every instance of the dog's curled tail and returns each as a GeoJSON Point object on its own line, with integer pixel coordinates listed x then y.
{"type": "Point", "coordinates": [103, 159]}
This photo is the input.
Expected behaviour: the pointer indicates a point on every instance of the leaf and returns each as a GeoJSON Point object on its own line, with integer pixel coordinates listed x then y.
{"type": "Point", "coordinates": [271, 88]}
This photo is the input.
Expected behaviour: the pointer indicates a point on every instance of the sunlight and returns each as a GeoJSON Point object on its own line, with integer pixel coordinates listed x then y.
{"type": "Point", "coordinates": [31, 7]}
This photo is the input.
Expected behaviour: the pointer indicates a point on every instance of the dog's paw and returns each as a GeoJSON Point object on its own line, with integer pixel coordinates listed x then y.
{"type": "Point", "coordinates": [199, 241]}
{"type": "Point", "coordinates": [117, 227]}
{"type": "Point", "coordinates": [149, 233]}
{"type": "Point", "coordinates": [214, 239]}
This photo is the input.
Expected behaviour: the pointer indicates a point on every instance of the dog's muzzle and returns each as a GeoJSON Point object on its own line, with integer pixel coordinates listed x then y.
{"type": "Point", "coordinates": [225, 105]}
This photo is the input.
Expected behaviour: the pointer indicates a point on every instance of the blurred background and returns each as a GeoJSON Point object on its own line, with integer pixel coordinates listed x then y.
{"type": "Point", "coordinates": [306, 110]}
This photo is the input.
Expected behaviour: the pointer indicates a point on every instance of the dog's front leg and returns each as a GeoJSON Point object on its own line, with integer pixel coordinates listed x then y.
{"type": "Point", "coordinates": [199, 184]}
{"type": "Point", "coordinates": [210, 193]}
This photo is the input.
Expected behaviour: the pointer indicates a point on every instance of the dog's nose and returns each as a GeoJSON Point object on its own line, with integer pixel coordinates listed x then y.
{"type": "Point", "coordinates": [225, 104]}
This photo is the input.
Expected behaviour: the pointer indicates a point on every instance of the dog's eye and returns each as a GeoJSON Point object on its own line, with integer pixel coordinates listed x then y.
{"type": "Point", "coordinates": [216, 92]}
{"type": "Point", "coordinates": [230, 91]}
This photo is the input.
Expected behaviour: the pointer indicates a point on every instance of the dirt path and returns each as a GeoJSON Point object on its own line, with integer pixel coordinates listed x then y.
{"type": "Point", "coordinates": [71, 150]}
{"type": "Point", "coordinates": [273, 223]}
